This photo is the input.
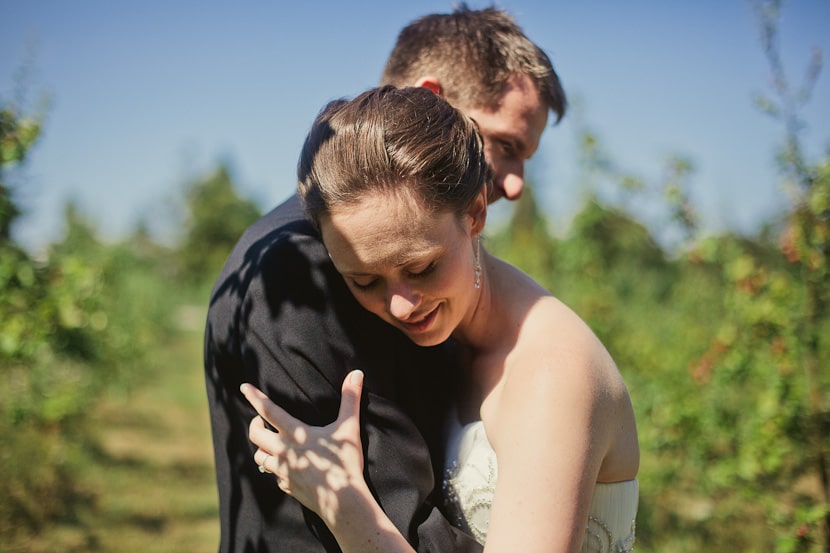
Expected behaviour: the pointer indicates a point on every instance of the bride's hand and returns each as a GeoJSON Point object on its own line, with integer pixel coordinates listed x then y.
{"type": "Point", "coordinates": [315, 464]}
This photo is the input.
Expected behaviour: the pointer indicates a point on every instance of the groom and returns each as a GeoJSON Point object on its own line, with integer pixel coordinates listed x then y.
{"type": "Point", "coordinates": [282, 318]}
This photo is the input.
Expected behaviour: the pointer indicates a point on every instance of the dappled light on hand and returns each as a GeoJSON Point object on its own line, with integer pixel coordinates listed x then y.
{"type": "Point", "coordinates": [313, 464]}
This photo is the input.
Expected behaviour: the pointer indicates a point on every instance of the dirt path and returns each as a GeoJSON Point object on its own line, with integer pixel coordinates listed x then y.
{"type": "Point", "coordinates": [152, 483]}
{"type": "Point", "coordinates": [159, 487]}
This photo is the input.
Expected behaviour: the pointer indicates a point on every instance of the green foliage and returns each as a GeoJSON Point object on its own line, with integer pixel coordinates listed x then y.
{"type": "Point", "coordinates": [724, 342]}
{"type": "Point", "coordinates": [73, 325]}
{"type": "Point", "coordinates": [217, 217]}
{"type": "Point", "coordinates": [16, 136]}
{"type": "Point", "coordinates": [526, 242]}
{"type": "Point", "coordinates": [81, 322]}
{"type": "Point", "coordinates": [715, 345]}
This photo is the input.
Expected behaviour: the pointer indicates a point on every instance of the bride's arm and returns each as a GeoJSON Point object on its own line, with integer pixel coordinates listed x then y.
{"type": "Point", "coordinates": [322, 467]}
{"type": "Point", "coordinates": [555, 419]}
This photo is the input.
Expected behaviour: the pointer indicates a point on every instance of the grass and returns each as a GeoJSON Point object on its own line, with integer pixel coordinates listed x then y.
{"type": "Point", "coordinates": [151, 484]}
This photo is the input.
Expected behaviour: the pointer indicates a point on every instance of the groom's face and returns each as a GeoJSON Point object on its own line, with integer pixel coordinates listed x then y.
{"type": "Point", "coordinates": [511, 130]}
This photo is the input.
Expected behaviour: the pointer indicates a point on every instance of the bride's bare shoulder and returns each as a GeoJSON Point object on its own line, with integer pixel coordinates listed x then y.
{"type": "Point", "coordinates": [550, 323]}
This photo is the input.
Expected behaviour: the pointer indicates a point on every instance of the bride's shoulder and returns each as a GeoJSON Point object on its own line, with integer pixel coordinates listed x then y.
{"type": "Point", "coordinates": [551, 325]}
{"type": "Point", "coordinates": [557, 352]}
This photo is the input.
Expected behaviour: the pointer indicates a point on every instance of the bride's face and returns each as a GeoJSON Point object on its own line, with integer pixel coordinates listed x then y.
{"type": "Point", "coordinates": [411, 268]}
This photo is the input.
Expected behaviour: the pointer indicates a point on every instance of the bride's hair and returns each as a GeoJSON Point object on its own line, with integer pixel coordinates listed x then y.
{"type": "Point", "coordinates": [408, 142]}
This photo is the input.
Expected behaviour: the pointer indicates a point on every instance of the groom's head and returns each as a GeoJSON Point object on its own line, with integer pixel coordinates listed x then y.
{"type": "Point", "coordinates": [482, 62]}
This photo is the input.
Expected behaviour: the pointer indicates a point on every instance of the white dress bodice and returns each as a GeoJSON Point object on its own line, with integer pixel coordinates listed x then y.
{"type": "Point", "coordinates": [470, 483]}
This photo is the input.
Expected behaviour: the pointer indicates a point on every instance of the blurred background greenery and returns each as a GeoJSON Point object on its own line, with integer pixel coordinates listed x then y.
{"type": "Point", "coordinates": [723, 340]}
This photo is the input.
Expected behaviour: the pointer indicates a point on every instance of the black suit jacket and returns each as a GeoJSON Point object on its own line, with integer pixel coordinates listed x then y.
{"type": "Point", "coordinates": [282, 318]}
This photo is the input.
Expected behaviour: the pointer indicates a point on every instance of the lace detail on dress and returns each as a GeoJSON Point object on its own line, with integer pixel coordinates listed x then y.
{"type": "Point", "coordinates": [470, 485]}
{"type": "Point", "coordinates": [469, 491]}
{"type": "Point", "coordinates": [612, 523]}
{"type": "Point", "coordinates": [600, 539]}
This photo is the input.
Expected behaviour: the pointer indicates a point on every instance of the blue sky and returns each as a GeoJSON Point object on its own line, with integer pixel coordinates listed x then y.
{"type": "Point", "coordinates": [148, 94]}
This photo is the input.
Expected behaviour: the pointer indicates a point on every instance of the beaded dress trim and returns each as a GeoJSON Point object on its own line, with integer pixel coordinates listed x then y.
{"type": "Point", "coordinates": [470, 484]}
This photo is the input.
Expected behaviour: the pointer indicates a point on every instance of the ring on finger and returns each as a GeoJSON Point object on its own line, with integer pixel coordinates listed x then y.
{"type": "Point", "coordinates": [262, 468]}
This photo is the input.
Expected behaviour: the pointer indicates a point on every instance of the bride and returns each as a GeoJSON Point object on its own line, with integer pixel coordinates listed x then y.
{"type": "Point", "coordinates": [543, 452]}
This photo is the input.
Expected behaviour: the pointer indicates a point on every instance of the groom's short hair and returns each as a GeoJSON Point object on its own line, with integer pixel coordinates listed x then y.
{"type": "Point", "coordinates": [472, 53]}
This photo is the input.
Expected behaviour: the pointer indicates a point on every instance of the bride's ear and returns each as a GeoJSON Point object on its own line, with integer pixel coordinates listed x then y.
{"type": "Point", "coordinates": [477, 213]}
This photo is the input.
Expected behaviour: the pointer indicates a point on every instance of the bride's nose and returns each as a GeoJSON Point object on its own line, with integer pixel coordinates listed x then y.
{"type": "Point", "coordinates": [402, 301]}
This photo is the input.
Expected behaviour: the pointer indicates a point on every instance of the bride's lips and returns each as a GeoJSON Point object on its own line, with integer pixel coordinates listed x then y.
{"type": "Point", "coordinates": [423, 324]}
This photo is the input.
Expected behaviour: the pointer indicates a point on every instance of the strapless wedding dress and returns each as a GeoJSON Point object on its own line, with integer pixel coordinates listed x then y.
{"type": "Point", "coordinates": [470, 482]}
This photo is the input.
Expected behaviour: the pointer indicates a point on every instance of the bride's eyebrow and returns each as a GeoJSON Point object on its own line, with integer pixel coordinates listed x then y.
{"type": "Point", "coordinates": [371, 265]}
{"type": "Point", "coordinates": [426, 257]}
{"type": "Point", "coordinates": [420, 256]}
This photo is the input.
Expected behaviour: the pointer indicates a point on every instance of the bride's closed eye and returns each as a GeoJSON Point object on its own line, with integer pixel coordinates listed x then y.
{"type": "Point", "coordinates": [364, 284]}
{"type": "Point", "coordinates": [422, 273]}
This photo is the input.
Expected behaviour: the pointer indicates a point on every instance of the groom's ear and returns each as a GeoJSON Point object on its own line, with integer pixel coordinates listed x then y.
{"type": "Point", "coordinates": [431, 82]}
